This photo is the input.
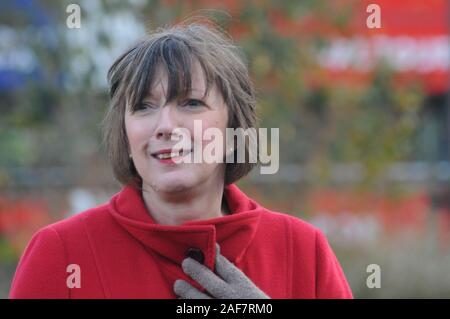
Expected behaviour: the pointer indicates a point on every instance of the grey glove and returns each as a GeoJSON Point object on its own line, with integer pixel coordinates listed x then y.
{"type": "Point", "coordinates": [232, 283]}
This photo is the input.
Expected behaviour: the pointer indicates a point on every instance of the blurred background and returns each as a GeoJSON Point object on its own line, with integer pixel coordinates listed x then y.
{"type": "Point", "coordinates": [363, 113]}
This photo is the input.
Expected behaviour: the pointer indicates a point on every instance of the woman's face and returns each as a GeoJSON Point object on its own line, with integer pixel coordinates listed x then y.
{"type": "Point", "coordinates": [150, 127]}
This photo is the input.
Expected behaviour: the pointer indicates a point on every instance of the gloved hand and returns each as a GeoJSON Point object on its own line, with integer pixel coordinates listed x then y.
{"type": "Point", "coordinates": [232, 283]}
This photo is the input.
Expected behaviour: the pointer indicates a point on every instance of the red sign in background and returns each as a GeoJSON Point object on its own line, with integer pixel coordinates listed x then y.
{"type": "Point", "coordinates": [413, 39]}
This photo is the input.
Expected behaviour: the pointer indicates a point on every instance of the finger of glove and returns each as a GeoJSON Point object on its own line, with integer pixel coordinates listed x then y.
{"type": "Point", "coordinates": [242, 285]}
{"type": "Point", "coordinates": [227, 270]}
{"type": "Point", "coordinates": [186, 291]}
{"type": "Point", "coordinates": [205, 277]}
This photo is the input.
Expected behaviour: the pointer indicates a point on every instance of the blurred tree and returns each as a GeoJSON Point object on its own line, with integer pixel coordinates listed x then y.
{"type": "Point", "coordinates": [54, 119]}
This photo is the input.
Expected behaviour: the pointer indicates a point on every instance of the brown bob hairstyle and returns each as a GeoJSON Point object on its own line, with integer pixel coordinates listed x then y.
{"type": "Point", "coordinates": [175, 49]}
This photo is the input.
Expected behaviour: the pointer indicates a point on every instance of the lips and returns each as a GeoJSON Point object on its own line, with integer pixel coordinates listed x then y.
{"type": "Point", "coordinates": [169, 153]}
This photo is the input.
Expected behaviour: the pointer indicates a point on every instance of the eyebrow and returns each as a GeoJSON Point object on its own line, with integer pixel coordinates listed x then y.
{"type": "Point", "coordinates": [151, 96]}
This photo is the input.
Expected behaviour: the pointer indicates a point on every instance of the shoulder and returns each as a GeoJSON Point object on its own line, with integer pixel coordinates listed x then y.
{"type": "Point", "coordinates": [297, 233]}
{"type": "Point", "coordinates": [76, 222]}
{"type": "Point", "coordinates": [291, 224]}
{"type": "Point", "coordinates": [55, 233]}
{"type": "Point", "coordinates": [76, 234]}
{"type": "Point", "coordinates": [41, 272]}
{"type": "Point", "coordinates": [310, 252]}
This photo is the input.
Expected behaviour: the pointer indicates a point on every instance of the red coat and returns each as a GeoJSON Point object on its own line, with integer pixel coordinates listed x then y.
{"type": "Point", "coordinates": [122, 253]}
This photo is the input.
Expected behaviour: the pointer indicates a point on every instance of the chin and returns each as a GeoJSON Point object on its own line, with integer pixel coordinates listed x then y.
{"type": "Point", "coordinates": [174, 184]}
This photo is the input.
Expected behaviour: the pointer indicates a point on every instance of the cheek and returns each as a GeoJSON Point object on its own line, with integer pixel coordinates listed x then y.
{"type": "Point", "coordinates": [138, 132]}
{"type": "Point", "coordinates": [216, 123]}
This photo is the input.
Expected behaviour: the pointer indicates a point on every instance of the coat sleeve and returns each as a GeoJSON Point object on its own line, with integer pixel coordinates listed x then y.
{"type": "Point", "coordinates": [41, 272]}
{"type": "Point", "coordinates": [330, 278]}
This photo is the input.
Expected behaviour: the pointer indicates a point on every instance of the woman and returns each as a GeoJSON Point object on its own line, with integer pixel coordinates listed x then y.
{"type": "Point", "coordinates": [178, 229]}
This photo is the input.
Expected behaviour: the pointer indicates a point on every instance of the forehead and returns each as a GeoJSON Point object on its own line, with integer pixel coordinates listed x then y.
{"type": "Point", "coordinates": [172, 67]}
{"type": "Point", "coordinates": [161, 81]}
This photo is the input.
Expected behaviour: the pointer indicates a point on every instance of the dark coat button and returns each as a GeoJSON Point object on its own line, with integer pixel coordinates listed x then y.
{"type": "Point", "coordinates": [196, 254]}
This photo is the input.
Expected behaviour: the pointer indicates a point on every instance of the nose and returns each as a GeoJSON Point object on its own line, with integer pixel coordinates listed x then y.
{"type": "Point", "coordinates": [167, 122]}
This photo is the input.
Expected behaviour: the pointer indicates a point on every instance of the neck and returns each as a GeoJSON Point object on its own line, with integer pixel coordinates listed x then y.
{"type": "Point", "coordinates": [201, 202]}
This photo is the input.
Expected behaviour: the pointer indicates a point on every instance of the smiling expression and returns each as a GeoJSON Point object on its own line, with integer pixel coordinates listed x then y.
{"type": "Point", "coordinates": [150, 126]}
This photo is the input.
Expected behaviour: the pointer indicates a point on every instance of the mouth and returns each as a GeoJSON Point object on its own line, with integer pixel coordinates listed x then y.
{"type": "Point", "coordinates": [169, 154]}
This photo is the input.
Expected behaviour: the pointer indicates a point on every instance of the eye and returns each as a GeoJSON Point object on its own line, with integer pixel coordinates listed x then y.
{"type": "Point", "coordinates": [144, 106]}
{"type": "Point", "coordinates": [193, 103]}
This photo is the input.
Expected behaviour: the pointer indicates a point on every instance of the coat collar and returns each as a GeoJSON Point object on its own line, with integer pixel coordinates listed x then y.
{"type": "Point", "coordinates": [233, 232]}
